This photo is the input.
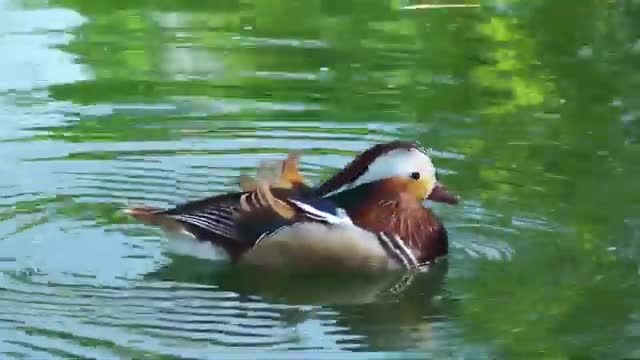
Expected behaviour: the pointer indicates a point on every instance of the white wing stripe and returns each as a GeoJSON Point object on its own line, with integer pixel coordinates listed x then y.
{"type": "Point", "coordinates": [385, 242]}
{"type": "Point", "coordinates": [203, 223]}
{"type": "Point", "coordinates": [218, 218]}
{"type": "Point", "coordinates": [321, 215]}
{"type": "Point", "coordinates": [315, 217]}
{"type": "Point", "coordinates": [408, 254]}
{"type": "Point", "coordinates": [223, 212]}
{"type": "Point", "coordinates": [214, 227]}
{"type": "Point", "coordinates": [269, 234]}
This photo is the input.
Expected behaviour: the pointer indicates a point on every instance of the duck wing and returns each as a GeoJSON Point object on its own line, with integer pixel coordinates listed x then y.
{"type": "Point", "coordinates": [238, 221]}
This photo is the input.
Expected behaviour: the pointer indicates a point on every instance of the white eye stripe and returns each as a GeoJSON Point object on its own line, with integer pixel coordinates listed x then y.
{"type": "Point", "coordinates": [395, 163]}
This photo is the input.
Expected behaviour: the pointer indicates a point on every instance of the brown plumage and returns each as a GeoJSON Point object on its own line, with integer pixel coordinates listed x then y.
{"type": "Point", "coordinates": [391, 211]}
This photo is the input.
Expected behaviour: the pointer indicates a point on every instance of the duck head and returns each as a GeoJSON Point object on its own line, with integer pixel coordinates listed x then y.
{"type": "Point", "coordinates": [398, 166]}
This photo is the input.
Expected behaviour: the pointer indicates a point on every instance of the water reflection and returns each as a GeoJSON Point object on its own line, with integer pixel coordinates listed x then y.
{"type": "Point", "coordinates": [362, 305]}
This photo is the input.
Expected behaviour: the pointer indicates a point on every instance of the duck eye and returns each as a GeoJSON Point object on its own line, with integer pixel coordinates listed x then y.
{"type": "Point", "coordinates": [415, 175]}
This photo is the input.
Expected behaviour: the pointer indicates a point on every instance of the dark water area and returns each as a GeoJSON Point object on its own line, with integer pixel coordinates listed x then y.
{"type": "Point", "coordinates": [531, 111]}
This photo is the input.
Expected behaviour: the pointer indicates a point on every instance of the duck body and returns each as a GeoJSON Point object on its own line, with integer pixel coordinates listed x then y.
{"type": "Point", "coordinates": [356, 220]}
{"type": "Point", "coordinates": [305, 238]}
{"type": "Point", "coordinates": [396, 215]}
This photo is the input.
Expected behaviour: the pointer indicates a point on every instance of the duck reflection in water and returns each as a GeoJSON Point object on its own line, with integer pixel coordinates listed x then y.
{"type": "Point", "coordinates": [387, 312]}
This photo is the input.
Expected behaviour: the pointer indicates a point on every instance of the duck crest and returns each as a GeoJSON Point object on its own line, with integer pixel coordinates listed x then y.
{"type": "Point", "coordinates": [360, 164]}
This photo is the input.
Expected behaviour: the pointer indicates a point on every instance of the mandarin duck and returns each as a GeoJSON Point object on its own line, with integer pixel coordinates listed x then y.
{"type": "Point", "coordinates": [367, 216]}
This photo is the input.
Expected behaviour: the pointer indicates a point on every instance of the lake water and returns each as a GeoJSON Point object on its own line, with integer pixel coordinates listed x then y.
{"type": "Point", "coordinates": [531, 111]}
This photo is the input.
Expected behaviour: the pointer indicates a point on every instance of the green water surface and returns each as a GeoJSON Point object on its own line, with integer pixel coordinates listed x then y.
{"type": "Point", "coordinates": [531, 110]}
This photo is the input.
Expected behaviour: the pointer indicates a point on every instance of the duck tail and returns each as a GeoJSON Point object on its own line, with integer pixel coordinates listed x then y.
{"type": "Point", "coordinates": [155, 217]}
{"type": "Point", "coordinates": [144, 214]}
